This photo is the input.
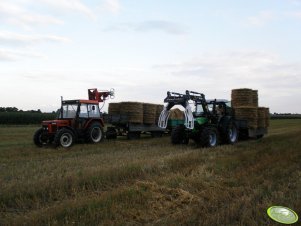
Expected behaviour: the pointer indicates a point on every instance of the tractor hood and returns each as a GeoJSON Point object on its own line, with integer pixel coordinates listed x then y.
{"type": "Point", "coordinates": [201, 120]}
{"type": "Point", "coordinates": [56, 122]}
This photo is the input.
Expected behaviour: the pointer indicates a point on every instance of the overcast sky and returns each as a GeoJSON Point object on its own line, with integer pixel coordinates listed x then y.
{"type": "Point", "coordinates": [143, 48]}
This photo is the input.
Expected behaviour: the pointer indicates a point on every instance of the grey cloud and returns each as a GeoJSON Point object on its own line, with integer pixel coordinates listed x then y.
{"type": "Point", "coordinates": [167, 27]}
{"type": "Point", "coordinates": [255, 69]}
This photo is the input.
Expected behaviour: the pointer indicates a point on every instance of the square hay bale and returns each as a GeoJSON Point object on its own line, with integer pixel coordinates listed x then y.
{"type": "Point", "coordinates": [261, 120]}
{"type": "Point", "coordinates": [149, 113]}
{"type": "Point", "coordinates": [244, 97]}
{"type": "Point", "coordinates": [114, 108]}
{"type": "Point", "coordinates": [134, 111]}
{"type": "Point", "coordinates": [249, 113]}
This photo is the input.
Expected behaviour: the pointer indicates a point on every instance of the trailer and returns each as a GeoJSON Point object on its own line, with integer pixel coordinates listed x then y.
{"type": "Point", "coordinates": [245, 131]}
{"type": "Point", "coordinates": [119, 125]}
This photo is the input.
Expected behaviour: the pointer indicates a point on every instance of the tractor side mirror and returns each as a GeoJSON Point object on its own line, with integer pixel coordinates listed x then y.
{"type": "Point", "coordinates": [112, 93]}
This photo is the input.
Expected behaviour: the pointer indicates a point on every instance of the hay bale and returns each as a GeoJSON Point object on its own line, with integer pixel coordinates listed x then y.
{"type": "Point", "coordinates": [114, 108]}
{"type": "Point", "coordinates": [249, 113]}
{"type": "Point", "coordinates": [261, 120]}
{"type": "Point", "coordinates": [242, 97]}
{"type": "Point", "coordinates": [134, 111]}
{"type": "Point", "coordinates": [176, 114]}
{"type": "Point", "coordinates": [159, 109]}
{"type": "Point", "coordinates": [149, 113]}
{"type": "Point", "coordinates": [255, 98]}
{"type": "Point", "coordinates": [267, 117]}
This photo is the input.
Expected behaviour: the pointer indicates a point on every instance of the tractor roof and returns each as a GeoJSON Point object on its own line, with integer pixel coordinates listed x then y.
{"type": "Point", "coordinates": [217, 101]}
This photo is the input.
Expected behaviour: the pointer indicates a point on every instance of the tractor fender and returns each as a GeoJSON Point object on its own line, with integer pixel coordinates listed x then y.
{"type": "Point", "coordinates": [224, 121]}
{"type": "Point", "coordinates": [91, 121]}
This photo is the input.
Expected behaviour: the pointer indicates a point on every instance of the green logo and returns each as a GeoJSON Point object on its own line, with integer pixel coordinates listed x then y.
{"type": "Point", "coordinates": [282, 214]}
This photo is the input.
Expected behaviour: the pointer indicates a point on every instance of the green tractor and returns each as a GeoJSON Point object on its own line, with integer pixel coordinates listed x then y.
{"type": "Point", "coordinates": [209, 124]}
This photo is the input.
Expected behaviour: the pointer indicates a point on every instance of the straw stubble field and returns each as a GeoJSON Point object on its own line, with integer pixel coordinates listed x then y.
{"type": "Point", "coordinates": [149, 181]}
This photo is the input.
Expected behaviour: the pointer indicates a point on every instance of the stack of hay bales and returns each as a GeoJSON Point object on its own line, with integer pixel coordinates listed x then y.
{"type": "Point", "coordinates": [137, 112]}
{"type": "Point", "coordinates": [245, 104]}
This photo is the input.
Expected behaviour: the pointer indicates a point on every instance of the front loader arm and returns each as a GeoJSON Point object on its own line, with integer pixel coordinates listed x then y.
{"type": "Point", "coordinates": [173, 99]}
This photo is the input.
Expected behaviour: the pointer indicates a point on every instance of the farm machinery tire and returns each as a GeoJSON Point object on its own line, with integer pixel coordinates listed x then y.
{"type": "Point", "coordinates": [95, 133]}
{"type": "Point", "coordinates": [209, 137]}
{"type": "Point", "coordinates": [111, 133]}
{"type": "Point", "coordinates": [133, 135]}
{"type": "Point", "coordinates": [178, 135]}
{"type": "Point", "coordinates": [64, 137]}
{"type": "Point", "coordinates": [41, 138]}
{"type": "Point", "coordinates": [229, 133]}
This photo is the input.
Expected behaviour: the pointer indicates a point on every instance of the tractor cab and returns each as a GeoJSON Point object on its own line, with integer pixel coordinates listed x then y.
{"type": "Point", "coordinates": [72, 109]}
{"type": "Point", "coordinates": [219, 106]}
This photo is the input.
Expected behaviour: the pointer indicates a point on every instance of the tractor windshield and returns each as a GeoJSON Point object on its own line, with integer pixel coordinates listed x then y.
{"type": "Point", "coordinates": [198, 110]}
{"type": "Point", "coordinates": [89, 111]}
{"type": "Point", "coordinates": [69, 110]}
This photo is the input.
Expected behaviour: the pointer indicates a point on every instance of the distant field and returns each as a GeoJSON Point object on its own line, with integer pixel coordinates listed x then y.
{"type": "Point", "coordinates": [149, 181]}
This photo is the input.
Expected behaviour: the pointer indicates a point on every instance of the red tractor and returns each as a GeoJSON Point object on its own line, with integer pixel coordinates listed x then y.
{"type": "Point", "coordinates": [77, 120]}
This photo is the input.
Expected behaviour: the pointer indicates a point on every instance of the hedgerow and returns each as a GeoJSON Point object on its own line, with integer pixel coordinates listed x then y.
{"type": "Point", "coordinates": [24, 118]}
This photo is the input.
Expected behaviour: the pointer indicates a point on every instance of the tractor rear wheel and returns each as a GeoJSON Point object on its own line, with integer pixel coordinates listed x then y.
{"type": "Point", "coordinates": [178, 135]}
{"type": "Point", "coordinates": [41, 138]}
{"type": "Point", "coordinates": [230, 133]}
{"type": "Point", "coordinates": [64, 137]}
{"type": "Point", "coordinates": [209, 137]}
{"type": "Point", "coordinates": [95, 133]}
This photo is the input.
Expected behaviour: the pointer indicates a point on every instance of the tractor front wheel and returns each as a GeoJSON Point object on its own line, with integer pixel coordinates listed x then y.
{"type": "Point", "coordinates": [95, 133]}
{"type": "Point", "coordinates": [41, 138]}
{"type": "Point", "coordinates": [178, 135]}
{"type": "Point", "coordinates": [209, 137]}
{"type": "Point", "coordinates": [64, 137]}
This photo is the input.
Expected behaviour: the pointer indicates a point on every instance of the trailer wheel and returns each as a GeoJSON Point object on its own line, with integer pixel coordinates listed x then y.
{"type": "Point", "coordinates": [111, 133]}
{"type": "Point", "coordinates": [259, 136]}
{"type": "Point", "coordinates": [64, 137]}
{"type": "Point", "coordinates": [95, 133]}
{"type": "Point", "coordinates": [209, 137]}
{"type": "Point", "coordinates": [41, 138]}
{"type": "Point", "coordinates": [156, 134]}
{"type": "Point", "coordinates": [178, 135]}
{"type": "Point", "coordinates": [133, 135]}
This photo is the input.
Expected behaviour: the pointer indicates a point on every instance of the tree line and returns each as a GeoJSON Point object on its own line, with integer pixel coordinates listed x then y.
{"type": "Point", "coordinates": [15, 116]}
